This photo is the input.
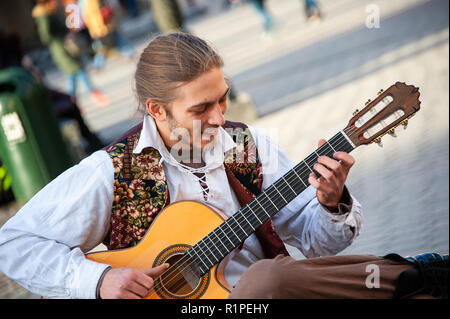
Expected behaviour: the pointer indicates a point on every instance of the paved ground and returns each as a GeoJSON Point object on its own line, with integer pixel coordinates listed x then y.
{"type": "Point", "coordinates": [306, 81]}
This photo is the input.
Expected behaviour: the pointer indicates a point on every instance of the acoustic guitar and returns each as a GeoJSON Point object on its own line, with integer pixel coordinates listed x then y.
{"type": "Point", "coordinates": [195, 238]}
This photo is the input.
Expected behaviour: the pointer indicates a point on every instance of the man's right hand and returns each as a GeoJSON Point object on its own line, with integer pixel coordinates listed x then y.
{"type": "Point", "coordinates": [129, 283]}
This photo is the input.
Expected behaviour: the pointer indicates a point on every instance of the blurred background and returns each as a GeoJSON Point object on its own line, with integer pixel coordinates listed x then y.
{"type": "Point", "coordinates": [299, 69]}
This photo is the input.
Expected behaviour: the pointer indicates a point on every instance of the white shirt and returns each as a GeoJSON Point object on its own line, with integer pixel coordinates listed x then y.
{"type": "Point", "coordinates": [42, 247]}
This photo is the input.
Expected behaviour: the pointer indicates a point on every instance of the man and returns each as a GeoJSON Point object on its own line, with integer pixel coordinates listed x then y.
{"type": "Point", "coordinates": [114, 195]}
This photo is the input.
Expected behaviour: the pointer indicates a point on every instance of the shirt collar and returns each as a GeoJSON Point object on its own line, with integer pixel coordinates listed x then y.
{"type": "Point", "coordinates": [150, 137]}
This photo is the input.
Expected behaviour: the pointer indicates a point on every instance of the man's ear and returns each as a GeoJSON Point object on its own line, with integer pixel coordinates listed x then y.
{"type": "Point", "coordinates": [156, 110]}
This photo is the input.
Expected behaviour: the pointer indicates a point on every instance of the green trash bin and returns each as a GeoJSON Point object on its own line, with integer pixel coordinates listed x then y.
{"type": "Point", "coordinates": [31, 144]}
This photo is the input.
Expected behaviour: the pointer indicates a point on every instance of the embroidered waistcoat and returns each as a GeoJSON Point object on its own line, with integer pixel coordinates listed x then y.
{"type": "Point", "coordinates": [141, 191]}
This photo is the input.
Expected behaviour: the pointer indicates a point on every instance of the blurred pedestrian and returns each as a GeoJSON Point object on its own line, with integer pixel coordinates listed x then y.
{"type": "Point", "coordinates": [167, 14]}
{"type": "Point", "coordinates": [52, 32]}
{"type": "Point", "coordinates": [12, 55]}
{"type": "Point", "coordinates": [78, 42]}
{"type": "Point", "coordinates": [268, 20]}
{"type": "Point", "coordinates": [99, 18]}
{"type": "Point", "coordinates": [312, 10]}
{"type": "Point", "coordinates": [195, 9]}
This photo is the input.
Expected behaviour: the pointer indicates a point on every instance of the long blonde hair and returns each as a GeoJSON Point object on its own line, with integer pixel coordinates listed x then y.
{"type": "Point", "coordinates": [168, 62]}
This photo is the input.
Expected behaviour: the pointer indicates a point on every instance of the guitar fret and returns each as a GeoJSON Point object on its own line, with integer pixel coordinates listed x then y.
{"type": "Point", "coordinates": [200, 258]}
{"type": "Point", "coordinates": [271, 202]}
{"type": "Point", "coordinates": [256, 199]}
{"type": "Point", "coordinates": [299, 177]}
{"type": "Point", "coordinates": [281, 195]}
{"type": "Point", "coordinates": [239, 225]}
{"type": "Point", "coordinates": [220, 252]}
{"type": "Point", "coordinates": [254, 212]}
{"type": "Point", "coordinates": [331, 147]}
{"type": "Point", "coordinates": [312, 161]}
{"type": "Point", "coordinates": [288, 185]}
{"type": "Point", "coordinates": [204, 254]}
{"type": "Point", "coordinates": [243, 215]}
{"type": "Point", "coordinates": [209, 250]}
{"type": "Point", "coordinates": [308, 166]}
{"type": "Point", "coordinates": [327, 150]}
{"type": "Point", "coordinates": [232, 244]}
{"type": "Point", "coordinates": [231, 228]}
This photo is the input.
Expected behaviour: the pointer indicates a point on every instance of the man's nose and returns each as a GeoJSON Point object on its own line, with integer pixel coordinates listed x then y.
{"type": "Point", "coordinates": [216, 116]}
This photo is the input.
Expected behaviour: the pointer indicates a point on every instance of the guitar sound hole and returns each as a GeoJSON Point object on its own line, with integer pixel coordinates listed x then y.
{"type": "Point", "coordinates": [180, 278]}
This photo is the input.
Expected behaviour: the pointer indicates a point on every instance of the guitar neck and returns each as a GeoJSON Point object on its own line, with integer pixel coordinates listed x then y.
{"type": "Point", "coordinates": [221, 241]}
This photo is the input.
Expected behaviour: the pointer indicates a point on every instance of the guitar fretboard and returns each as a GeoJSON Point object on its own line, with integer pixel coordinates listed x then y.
{"type": "Point", "coordinates": [221, 241]}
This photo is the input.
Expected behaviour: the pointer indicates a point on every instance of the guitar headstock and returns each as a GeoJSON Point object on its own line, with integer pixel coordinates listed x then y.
{"type": "Point", "coordinates": [382, 115]}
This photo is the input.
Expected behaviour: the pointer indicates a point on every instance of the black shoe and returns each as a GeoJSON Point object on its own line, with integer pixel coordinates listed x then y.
{"type": "Point", "coordinates": [429, 276]}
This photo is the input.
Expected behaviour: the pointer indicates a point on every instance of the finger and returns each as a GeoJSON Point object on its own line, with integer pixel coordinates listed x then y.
{"type": "Point", "coordinates": [317, 182]}
{"type": "Point", "coordinates": [126, 294]}
{"type": "Point", "coordinates": [329, 163]}
{"type": "Point", "coordinates": [339, 170]}
{"type": "Point", "coordinates": [346, 159]}
{"type": "Point", "coordinates": [137, 289]}
{"type": "Point", "coordinates": [321, 142]}
{"type": "Point", "coordinates": [156, 271]}
{"type": "Point", "coordinates": [323, 171]}
{"type": "Point", "coordinates": [313, 180]}
{"type": "Point", "coordinates": [143, 279]}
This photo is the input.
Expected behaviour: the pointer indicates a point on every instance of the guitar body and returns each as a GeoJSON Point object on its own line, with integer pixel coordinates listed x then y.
{"type": "Point", "coordinates": [178, 227]}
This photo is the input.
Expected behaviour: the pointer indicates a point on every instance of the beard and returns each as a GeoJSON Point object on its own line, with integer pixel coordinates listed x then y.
{"type": "Point", "coordinates": [189, 147]}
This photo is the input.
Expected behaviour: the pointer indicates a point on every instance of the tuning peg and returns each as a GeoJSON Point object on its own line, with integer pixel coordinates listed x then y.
{"type": "Point", "coordinates": [378, 141]}
{"type": "Point", "coordinates": [391, 132]}
{"type": "Point", "coordinates": [380, 91]}
{"type": "Point", "coordinates": [355, 112]}
{"type": "Point", "coordinates": [405, 124]}
{"type": "Point", "coordinates": [368, 101]}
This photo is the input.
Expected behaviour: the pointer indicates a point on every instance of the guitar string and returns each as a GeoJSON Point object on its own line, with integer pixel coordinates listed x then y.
{"type": "Point", "coordinates": [341, 142]}
{"type": "Point", "coordinates": [301, 173]}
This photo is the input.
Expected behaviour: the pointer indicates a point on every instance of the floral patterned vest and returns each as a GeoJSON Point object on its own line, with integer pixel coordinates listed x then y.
{"type": "Point", "coordinates": [141, 192]}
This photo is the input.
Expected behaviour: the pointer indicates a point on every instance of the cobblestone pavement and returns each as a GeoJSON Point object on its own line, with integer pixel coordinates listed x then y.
{"type": "Point", "coordinates": [306, 80]}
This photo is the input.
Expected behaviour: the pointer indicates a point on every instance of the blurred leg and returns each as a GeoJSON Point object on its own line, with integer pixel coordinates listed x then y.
{"type": "Point", "coordinates": [312, 9]}
{"type": "Point", "coordinates": [99, 57]}
{"type": "Point", "coordinates": [324, 277]}
{"type": "Point", "coordinates": [81, 74]}
{"type": "Point", "coordinates": [123, 45]}
{"type": "Point", "coordinates": [72, 85]}
{"type": "Point", "coordinates": [260, 8]}
{"type": "Point", "coordinates": [98, 97]}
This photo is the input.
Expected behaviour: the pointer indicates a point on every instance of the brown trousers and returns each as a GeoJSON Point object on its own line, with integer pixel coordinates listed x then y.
{"type": "Point", "coordinates": [350, 276]}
